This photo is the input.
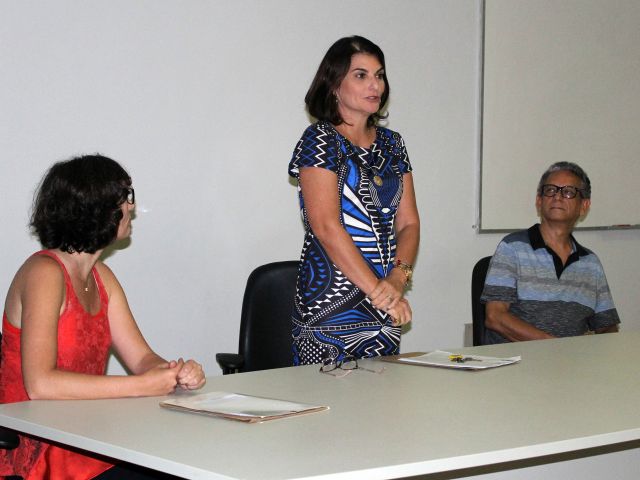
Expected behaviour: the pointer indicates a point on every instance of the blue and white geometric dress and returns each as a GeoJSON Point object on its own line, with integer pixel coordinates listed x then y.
{"type": "Point", "coordinates": [332, 317]}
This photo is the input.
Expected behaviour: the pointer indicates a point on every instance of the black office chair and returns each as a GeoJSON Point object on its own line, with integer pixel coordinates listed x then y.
{"type": "Point", "coordinates": [8, 438]}
{"type": "Point", "coordinates": [265, 321]}
{"type": "Point", "coordinates": [477, 308]}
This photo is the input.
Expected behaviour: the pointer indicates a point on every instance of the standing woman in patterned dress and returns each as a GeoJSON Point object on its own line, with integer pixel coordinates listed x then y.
{"type": "Point", "coordinates": [362, 227]}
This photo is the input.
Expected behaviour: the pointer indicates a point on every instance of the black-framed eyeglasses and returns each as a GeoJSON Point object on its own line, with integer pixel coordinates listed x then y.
{"type": "Point", "coordinates": [131, 195]}
{"type": "Point", "coordinates": [345, 366]}
{"type": "Point", "coordinates": [567, 191]}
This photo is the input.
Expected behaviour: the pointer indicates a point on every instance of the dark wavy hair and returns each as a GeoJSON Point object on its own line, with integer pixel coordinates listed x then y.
{"type": "Point", "coordinates": [321, 99]}
{"type": "Point", "coordinates": [77, 205]}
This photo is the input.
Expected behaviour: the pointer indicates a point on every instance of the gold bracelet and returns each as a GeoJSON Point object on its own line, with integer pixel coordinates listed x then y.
{"type": "Point", "coordinates": [406, 268]}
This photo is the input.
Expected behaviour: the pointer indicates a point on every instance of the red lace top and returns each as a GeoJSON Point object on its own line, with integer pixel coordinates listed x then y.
{"type": "Point", "coordinates": [83, 347]}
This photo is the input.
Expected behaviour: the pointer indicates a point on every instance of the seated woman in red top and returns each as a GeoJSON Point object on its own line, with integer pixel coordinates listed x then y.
{"type": "Point", "coordinates": [65, 310]}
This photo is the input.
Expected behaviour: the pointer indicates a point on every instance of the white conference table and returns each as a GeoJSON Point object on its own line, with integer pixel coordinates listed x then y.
{"type": "Point", "coordinates": [566, 395]}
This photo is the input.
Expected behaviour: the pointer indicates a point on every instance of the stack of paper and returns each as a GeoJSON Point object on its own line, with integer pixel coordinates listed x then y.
{"type": "Point", "coordinates": [439, 358]}
{"type": "Point", "coordinates": [236, 406]}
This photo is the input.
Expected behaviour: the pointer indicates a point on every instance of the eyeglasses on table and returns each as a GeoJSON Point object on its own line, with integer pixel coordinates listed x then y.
{"type": "Point", "coordinates": [344, 367]}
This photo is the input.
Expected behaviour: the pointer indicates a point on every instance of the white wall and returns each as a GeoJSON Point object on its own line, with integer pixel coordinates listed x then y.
{"type": "Point", "coordinates": [202, 101]}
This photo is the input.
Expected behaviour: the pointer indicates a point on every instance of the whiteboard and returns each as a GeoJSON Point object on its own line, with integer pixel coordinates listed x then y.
{"type": "Point", "coordinates": [561, 81]}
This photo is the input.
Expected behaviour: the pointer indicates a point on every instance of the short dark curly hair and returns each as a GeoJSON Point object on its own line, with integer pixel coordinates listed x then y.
{"type": "Point", "coordinates": [77, 205]}
{"type": "Point", "coordinates": [320, 98]}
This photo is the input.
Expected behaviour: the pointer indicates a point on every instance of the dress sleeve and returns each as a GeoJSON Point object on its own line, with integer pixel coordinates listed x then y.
{"type": "Point", "coordinates": [405, 164]}
{"type": "Point", "coordinates": [501, 284]}
{"type": "Point", "coordinates": [318, 147]}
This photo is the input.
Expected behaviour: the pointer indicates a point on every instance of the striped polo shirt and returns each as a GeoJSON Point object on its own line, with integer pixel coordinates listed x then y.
{"type": "Point", "coordinates": [563, 300]}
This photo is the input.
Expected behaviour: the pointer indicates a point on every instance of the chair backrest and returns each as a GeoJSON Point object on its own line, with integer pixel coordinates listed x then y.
{"type": "Point", "coordinates": [477, 308]}
{"type": "Point", "coordinates": [265, 322]}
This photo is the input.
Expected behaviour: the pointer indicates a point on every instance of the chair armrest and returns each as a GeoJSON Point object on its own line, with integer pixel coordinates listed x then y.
{"type": "Point", "coordinates": [8, 439]}
{"type": "Point", "coordinates": [230, 362]}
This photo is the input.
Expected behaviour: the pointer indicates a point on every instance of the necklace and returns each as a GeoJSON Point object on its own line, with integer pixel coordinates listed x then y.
{"type": "Point", "coordinates": [369, 166]}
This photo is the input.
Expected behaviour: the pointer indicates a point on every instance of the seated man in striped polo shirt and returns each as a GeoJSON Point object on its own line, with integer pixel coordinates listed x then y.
{"type": "Point", "coordinates": [541, 283]}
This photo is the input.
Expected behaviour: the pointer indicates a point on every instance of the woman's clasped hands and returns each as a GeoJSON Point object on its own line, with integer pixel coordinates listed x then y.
{"type": "Point", "coordinates": [190, 375]}
{"type": "Point", "coordinates": [388, 296]}
{"type": "Point", "coordinates": [164, 378]}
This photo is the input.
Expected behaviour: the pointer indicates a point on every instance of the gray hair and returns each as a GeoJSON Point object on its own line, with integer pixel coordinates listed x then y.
{"type": "Point", "coordinates": [571, 168]}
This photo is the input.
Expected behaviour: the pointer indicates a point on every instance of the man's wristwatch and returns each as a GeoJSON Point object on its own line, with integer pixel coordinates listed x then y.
{"type": "Point", "coordinates": [406, 268]}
